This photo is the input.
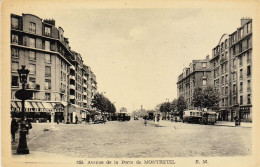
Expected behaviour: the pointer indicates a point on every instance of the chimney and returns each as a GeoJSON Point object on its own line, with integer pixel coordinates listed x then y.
{"type": "Point", "coordinates": [244, 20]}
{"type": "Point", "coordinates": [207, 57]}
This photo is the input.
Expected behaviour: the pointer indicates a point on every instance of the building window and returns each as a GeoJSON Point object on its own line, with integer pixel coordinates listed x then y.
{"type": "Point", "coordinates": [32, 68]}
{"type": "Point", "coordinates": [15, 81]}
{"type": "Point", "coordinates": [249, 57]}
{"type": "Point", "coordinates": [32, 83]}
{"type": "Point", "coordinates": [15, 66]}
{"type": "Point", "coordinates": [241, 33]}
{"type": "Point", "coordinates": [47, 84]}
{"type": "Point", "coordinates": [248, 85]}
{"type": "Point", "coordinates": [204, 65]}
{"type": "Point", "coordinates": [234, 88]}
{"type": "Point", "coordinates": [241, 100]}
{"type": "Point", "coordinates": [14, 39]}
{"type": "Point", "coordinates": [32, 27]}
{"type": "Point", "coordinates": [14, 23]}
{"type": "Point", "coordinates": [32, 55]}
{"type": "Point", "coordinates": [47, 96]}
{"type": "Point", "coordinates": [248, 70]}
{"type": "Point", "coordinates": [249, 27]}
{"type": "Point", "coordinates": [226, 90]}
{"type": "Point", "coordinates": [248, 99]}
{"type": "Point", "coordinates": [47, 45]}
{"type": "Point", "coordinates": [241, 73]}
{"type": "Point", "coordinates": [47, 71]}
{"type": "Point", "coordinates": [15, 53]}
{"type": "Point", "coordinates": [226, 79]}
{"type": "Point", "coordinates": [241, 61]}
{"type": "Point", "coordinates": [234, 50]}
{"type": "Point", "coordinates": [47, 31]}
{"type": "Point", "coordinates": [234, 76]}
{"type": "Point", "coordinates": [247, 43]}
{"type": "Point", "coordinates": [32, 42]}
{"type": "Point", "coordinates": [235, 100]}
{"type": "Point", "coordinates": [47, 58]}
{"type": "Point", "coordinates": [234, 63]}
{"type": "Point", "coordinates": [241, 87]}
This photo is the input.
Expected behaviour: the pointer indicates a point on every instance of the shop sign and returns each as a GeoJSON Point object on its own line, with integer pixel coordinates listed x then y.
{"type": "Point", "coordinates": [245, 109]}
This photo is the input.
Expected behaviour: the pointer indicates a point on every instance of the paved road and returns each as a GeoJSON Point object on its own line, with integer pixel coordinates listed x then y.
{"type": "Point", "coordinates": [134, 140]}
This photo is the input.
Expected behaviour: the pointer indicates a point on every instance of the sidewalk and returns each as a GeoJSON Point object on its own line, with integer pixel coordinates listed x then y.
{"type": "Point", "coordinates": [232, 124]}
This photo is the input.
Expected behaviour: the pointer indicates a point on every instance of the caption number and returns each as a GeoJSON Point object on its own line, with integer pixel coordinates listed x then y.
{"type": "Point", "coordinates": [79, 162]}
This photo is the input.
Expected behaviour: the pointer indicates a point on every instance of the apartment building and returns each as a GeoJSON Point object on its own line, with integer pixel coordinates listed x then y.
{"type": "Point", "coordinates": [241, 70]}
{"type": "Point", "coordinates": [196, 75]}
{"type": "Point", "coordinates": [220, 68]}
{"type": "Point", "coordinates": [56, 72]}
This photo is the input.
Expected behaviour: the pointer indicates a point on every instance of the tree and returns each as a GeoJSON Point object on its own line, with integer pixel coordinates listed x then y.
{"type": "Point", "coordinates": [211, 97]}
{"type": "Point", "coordinates": [174, 106]}
{"type": "Point", "coordinates": [103, 104]}
{"type": "Point", "coordinates": [198, 98]}
{"type": "Point", "coordinates": [205, 98]}
{"type": "Point", "coordinates": [165, 107]}
{"type": "Point", "coordinates": [181, 105]}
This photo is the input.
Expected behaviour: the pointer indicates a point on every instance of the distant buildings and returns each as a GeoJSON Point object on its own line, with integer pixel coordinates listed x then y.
{"type": "Point", "coordinates": [194, 76]}
{"type": "Point", "coordinates": [62, 84]}
{"type": "Point", "coordinates": [231, 73]}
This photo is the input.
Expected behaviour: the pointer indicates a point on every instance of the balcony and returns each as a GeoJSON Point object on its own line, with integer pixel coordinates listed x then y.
{"type": "Point", "coordinates": [72, 87]}
{"type": "Point", "coordinates": [84, 77]}
{"type": "Point", "coordinates": [72, 68]}
{"type": "Point", "coordinates": [62, 90]}
{"type": "Point", "coordinates": [72, 77]}
{"type": "Point", "coordinates": [33, 86]}
{"type": "Point", "coordinates": [72, 97]}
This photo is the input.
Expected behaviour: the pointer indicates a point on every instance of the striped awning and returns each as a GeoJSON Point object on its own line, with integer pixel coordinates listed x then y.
{"type": "Point", "coordinates": [16, 106]}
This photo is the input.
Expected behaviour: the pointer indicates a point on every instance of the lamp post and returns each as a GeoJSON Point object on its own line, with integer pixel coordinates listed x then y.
{"type": "Point", "coordinates": [23, 95]}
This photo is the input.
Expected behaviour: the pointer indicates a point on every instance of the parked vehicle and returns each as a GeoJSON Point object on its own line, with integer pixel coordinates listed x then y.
{"type": "Point", "coordinates": [192, 116]}
{"type": "Point", "coordinates": [123, 117]}
{"type": "Point", "coordinates": [150, 116]}
{"type": "Point", "coordinates": [99, 119]}
{"type": "Point", "coordinates": [209, 117]}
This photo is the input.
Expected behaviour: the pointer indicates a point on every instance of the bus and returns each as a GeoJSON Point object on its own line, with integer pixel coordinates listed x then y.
{"type": "Point", "coordinates": [209, 117]}
{"type": "Point", "coordinates": [192, 116]}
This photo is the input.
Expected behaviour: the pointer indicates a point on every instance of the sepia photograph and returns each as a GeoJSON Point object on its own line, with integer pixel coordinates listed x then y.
{"type": "Point", "coordinates": [126, 83]}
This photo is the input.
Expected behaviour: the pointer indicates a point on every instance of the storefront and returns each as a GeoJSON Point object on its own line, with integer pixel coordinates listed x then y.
{"type": "Point", "coordinates": [246, 113]}
{"type": "Point", "coordinates": [38, 111]}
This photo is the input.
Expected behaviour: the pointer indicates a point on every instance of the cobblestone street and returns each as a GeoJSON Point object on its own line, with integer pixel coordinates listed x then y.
{"type": "Point", "coordinates": [134, 140]}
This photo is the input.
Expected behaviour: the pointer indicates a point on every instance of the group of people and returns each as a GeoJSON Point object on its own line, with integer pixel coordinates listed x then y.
{"type": "Point", "coordinates": [15, 127]}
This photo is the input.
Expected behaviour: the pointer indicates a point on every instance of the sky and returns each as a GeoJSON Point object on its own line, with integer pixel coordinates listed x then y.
{"type": "Point", "coordinates": [137, 54]}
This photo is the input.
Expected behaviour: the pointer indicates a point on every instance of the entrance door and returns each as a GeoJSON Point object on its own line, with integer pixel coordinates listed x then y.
{"type": "Point", "coordinates": [58, 117]}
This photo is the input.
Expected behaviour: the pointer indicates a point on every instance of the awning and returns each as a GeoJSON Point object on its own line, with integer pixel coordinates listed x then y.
{"type": "Point", "coordinates": [34, 105]}
{"type": "Point", "coordinates": [93, 112]}
{"type": "Point", "coordinates": [27, 105]}
{"type": "Point", "coordinates": [13, 105]}
{"type": "Point", "coordinates": [47, 105]}
{"type": "Point", "coordinates": [37, 106]}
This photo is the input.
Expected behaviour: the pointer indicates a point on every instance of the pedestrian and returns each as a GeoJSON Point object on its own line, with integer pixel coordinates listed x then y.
{"type": "Point", "coordinates": [76, 117]}
{"type": "Point", "coordinates": [14, 128]}
{"type": "Point", "coordinates": [145, 120]}
{"type": "Point", "coordinates": [28, 125]}
{"type": "Point", "coordinates": [88, 119]}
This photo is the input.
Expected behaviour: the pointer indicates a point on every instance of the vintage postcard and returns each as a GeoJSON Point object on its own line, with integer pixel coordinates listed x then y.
{"type": "Point", "coordinates": [130, 83]}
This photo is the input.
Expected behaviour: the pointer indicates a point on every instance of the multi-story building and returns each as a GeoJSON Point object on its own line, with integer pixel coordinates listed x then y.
{"type": "Point", "coordinates": [241, 70]}
{"type": "Point", "coordinates": [220, 68]}
{"type": "Point", "coordinates": [56, 72]}
{"type": "Point", "coordinates": [194, 76]}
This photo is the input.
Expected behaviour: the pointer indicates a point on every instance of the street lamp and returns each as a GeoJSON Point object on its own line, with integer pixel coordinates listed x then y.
{"type": "Point", "coordinates": [23, 95]}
